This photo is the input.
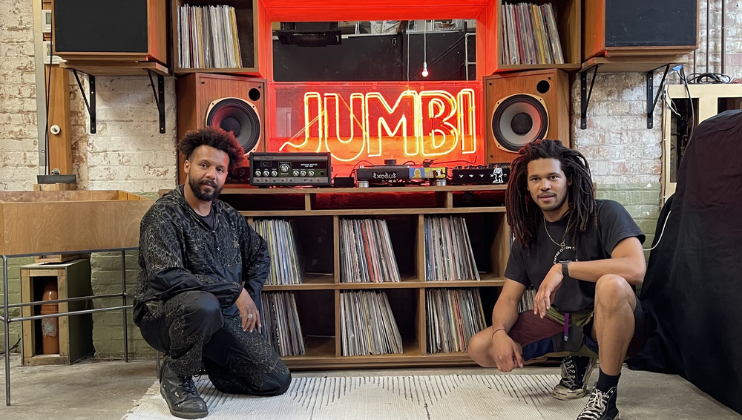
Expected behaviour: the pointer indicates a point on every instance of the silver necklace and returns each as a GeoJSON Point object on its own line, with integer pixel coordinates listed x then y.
{"type": "Point", "coordinates": [562, 246]}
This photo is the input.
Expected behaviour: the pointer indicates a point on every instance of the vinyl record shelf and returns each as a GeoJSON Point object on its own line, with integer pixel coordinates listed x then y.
{"type": "Point", "coordinates": [315, 214]}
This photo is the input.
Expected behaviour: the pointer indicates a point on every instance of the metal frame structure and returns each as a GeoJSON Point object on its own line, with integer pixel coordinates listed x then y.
{"type": "Point", "coordinates": [6, 320]}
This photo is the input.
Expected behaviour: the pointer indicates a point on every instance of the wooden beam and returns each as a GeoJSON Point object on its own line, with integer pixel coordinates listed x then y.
{"type": "Point", "coordinates": [60, 144]}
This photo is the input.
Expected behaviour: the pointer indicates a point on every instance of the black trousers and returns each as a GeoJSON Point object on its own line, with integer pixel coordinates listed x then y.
{"type": "Point", "coordinates": [191, 330]}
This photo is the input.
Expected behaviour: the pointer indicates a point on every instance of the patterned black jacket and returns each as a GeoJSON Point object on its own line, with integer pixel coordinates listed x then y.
{"type": "Point", "coordinates": [178, 252]}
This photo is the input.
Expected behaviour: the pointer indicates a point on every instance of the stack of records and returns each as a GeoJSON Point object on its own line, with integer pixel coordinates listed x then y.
{"type": "Point", "coordinates": [453, 317]}
{"type": "Point", "coordinates": [526, 301]}
{"type": "Point", "coordinates": [448, 252]}
{"type": "Point", "coordinates": [366, 254]}
{"type": "Point", "coordinates": [281, 324]}
{"type": "Point", "coordinates": [367, 324]}
{"type": "Point", "coordinates": [282, 245]}
{"type": "Point", "coordinates": [530, 35]}
{"type": "Point", "coordinates": [207, 37]}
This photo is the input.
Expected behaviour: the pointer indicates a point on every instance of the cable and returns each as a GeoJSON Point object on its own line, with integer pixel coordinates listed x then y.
{"type": "Point", "coordinates": [692, 122]}
{"type": "Point", "coordinates": [708, 78]}
{"type": "Point", "coordinates": [13, 347]}
{"type": "Point", "coordinates": [48, 90]}
{"type": "Point", "coordinates": [661, 233]}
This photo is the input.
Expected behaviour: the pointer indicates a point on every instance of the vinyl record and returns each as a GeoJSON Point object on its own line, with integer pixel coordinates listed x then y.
{"type": "Point", "coordinates": [237, 116]}
{"type": "Point", "coordinates": [518, 120]}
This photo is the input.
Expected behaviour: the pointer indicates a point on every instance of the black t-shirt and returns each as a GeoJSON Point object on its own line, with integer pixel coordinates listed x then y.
{"type": "Point", "coordinates": [614, 225]}
{"type": "Point", "coordinates": [209, 219]}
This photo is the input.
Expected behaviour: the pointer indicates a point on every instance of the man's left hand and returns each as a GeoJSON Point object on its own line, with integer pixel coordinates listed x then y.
{"type": "Point", "coordinates": [248, 312]}
{"type": "Point", "coordinates": [547, 291]}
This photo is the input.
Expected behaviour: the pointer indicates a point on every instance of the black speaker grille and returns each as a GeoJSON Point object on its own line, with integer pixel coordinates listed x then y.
{"type": "Point", "coordinates": [238, 117]}
{"type": "Point", "coordinates": [517, 120]}
{"type": "Point", "coordinates": [100, 26]}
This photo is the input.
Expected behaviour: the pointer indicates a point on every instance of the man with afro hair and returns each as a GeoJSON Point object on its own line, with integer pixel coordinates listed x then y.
{"type": "Point", "coordinates": [198, 293]}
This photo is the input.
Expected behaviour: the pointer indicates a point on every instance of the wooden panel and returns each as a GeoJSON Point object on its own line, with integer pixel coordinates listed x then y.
{"type": "Point", "coordinates": [338, 332]}
{"type": "Point", "coordinates": [157, 26]}
{"type": "Point", "coordinates": [327, 190]}
{"type": "Point", "coordinates": [53, 227]}
{"type": "Point", "coordinates": [115, 68]}
{"type": "Point", "coordinates": [60, 145]}
{"type": "Point", "coordinates": [376, 212]}
{"type": "Point", "coordinates": [420, 248]}
{"type": "Point", "coordinates": [640, 64]}
{"type": "Point", "coordinates": [409, 282]}
{"type": "Point", "coordinates": [264, 37]}
{"type": "Point", "coordinates": [336, 248]}
{"type": "Point", "coordinates": [64, 321]}
{"type": "Point", "coordinates": [421, 322]}
{"type": "Point", "coordinates": [594, 29]}
{"type": "Point", "coordinates": [28, 327]}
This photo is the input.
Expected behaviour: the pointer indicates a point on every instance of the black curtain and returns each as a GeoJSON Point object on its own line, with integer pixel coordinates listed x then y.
{"type": "Point", "coordinates": [692, 293]}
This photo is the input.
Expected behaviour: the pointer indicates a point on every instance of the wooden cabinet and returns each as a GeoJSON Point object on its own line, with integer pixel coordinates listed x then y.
{"type": "Point", "coordinates": [316, 214]}
{"type": "Point", "coordinates": [74, 333]}
{"type": "Point", "coordinates": [110, 37]}
{"type": "Point", "coordinates": [636, 28]}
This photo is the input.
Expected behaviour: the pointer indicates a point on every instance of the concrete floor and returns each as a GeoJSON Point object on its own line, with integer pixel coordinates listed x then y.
{"type": "Point", "coordinates": [109, 389]}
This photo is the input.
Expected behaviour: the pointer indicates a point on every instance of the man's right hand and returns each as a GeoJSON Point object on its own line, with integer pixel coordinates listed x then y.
{"type": "Point", "coordinates": [248, 312]}
{"type": "Point", "coordinates": [507, 352]}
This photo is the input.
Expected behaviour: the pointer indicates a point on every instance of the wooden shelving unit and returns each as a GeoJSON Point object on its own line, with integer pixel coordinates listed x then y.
{"type": "Point", "coordinates": [569, 22]}
{"type": "Point", "coordinates": [247, 12]}
{"type": "Point", "coordinates": [315, 214]}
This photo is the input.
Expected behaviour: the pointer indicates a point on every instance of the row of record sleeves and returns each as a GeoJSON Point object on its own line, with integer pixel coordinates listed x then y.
{"type": "Point", "coordinates": [368, 325]}
{"type": "Point", "coordinates": [367, 254]}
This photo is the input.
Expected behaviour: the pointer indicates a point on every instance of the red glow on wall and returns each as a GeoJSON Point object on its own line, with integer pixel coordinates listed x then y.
{"type": "Point", "coordinates": [370, 122]}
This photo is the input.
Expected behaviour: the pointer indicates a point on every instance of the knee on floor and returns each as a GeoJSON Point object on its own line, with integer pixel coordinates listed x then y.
{"type": "Point", "coordinates": [277, 383]}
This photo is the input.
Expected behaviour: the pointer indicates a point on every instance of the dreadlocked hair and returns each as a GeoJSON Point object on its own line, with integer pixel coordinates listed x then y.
{"type": "Point", "coordinates": [216, 138]}
{"type": "Point", "coordinates": [522, 211]}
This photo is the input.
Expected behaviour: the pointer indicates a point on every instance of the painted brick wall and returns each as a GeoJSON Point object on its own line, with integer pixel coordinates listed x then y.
{"type": "Point", "coordinates": [19, 157]}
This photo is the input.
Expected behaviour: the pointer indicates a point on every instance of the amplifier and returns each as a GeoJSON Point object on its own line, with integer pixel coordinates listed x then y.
{"type": "Point", "coordinates": [495, 173]}
{"type": "Point", "coordinates": [290, 169]}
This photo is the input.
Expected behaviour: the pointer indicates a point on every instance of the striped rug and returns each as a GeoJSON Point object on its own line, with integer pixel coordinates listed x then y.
{"type": "Point", "coordinates": [488, 397]}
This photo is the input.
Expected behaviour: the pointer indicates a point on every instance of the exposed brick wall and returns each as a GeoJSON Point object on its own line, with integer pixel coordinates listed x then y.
{"type": "Point", "coordinates": [19, 155]}
{"type": "Point", "coordinates": [128, 152]}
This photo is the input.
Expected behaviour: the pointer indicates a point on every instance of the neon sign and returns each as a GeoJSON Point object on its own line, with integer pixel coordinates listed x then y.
{"type": "Point", "coordinates": [425, 124]}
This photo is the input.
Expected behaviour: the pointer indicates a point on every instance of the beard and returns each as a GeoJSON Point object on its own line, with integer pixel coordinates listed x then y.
{"type": "Point", "coordinates": [558, 203]}
{"type": "Point", "coordinates": [200, 194]}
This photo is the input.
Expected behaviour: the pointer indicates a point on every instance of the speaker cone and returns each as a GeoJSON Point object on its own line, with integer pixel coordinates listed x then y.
{"type": "Point", "coordinates": [518, 120]}
{"type": "Point", "coordinates": [238, 117]}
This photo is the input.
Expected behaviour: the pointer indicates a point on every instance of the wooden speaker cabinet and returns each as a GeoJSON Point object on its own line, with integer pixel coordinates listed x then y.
{"type": "Point", "coordinates": [615, 28]}
{"type": "Point", "coordinates": [522, 107]}
{"type": "Point", "coordinates": [132, 30]}
{"type": "Point", "coordinates": [234, 103]}
{"type": "Point", "coordinates": [75, 333]}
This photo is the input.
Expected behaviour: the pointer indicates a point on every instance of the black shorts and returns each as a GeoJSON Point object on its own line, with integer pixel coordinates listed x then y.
{"type": "Point", "coordinates": [545, 337]}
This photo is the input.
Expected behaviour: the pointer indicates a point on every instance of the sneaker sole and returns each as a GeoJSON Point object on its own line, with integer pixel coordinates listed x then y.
{"type": "Point", "coordinates": [564, 396]}
{"type": "Point", "coordinates": [181, 414]}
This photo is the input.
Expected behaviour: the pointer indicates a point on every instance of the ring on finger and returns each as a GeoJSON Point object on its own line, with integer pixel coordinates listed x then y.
{"type": "Point", "coordinates": [249, 316]}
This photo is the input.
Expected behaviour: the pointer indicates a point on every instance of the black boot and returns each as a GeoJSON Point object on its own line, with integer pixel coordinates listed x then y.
{"type": "Point", "coordinates": [181, 395]}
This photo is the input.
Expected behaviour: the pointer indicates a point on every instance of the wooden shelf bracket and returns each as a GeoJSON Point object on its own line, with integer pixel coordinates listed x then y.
{"type": "Point", "coordinates": [89, 105]}
{"type": "Point", "coordinates": [159, 99]}
{"type": "Point", "coordinates": [651, 99]}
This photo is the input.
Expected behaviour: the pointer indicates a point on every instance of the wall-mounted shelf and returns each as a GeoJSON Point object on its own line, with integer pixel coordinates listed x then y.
{"type": "Point", "coordinates": [646, 65]}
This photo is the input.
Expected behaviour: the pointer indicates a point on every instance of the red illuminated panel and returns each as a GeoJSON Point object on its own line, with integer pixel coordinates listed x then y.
{"type": "Point", "coordinates": [371, 122]}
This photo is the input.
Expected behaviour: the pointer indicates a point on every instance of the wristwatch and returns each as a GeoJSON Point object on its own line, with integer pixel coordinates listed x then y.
{"type": "Point", "coordinates": [565, 269]}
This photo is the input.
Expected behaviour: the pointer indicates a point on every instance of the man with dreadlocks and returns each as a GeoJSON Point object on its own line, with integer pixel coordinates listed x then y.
{"type": "Point", "coordinates": [583, 257]}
